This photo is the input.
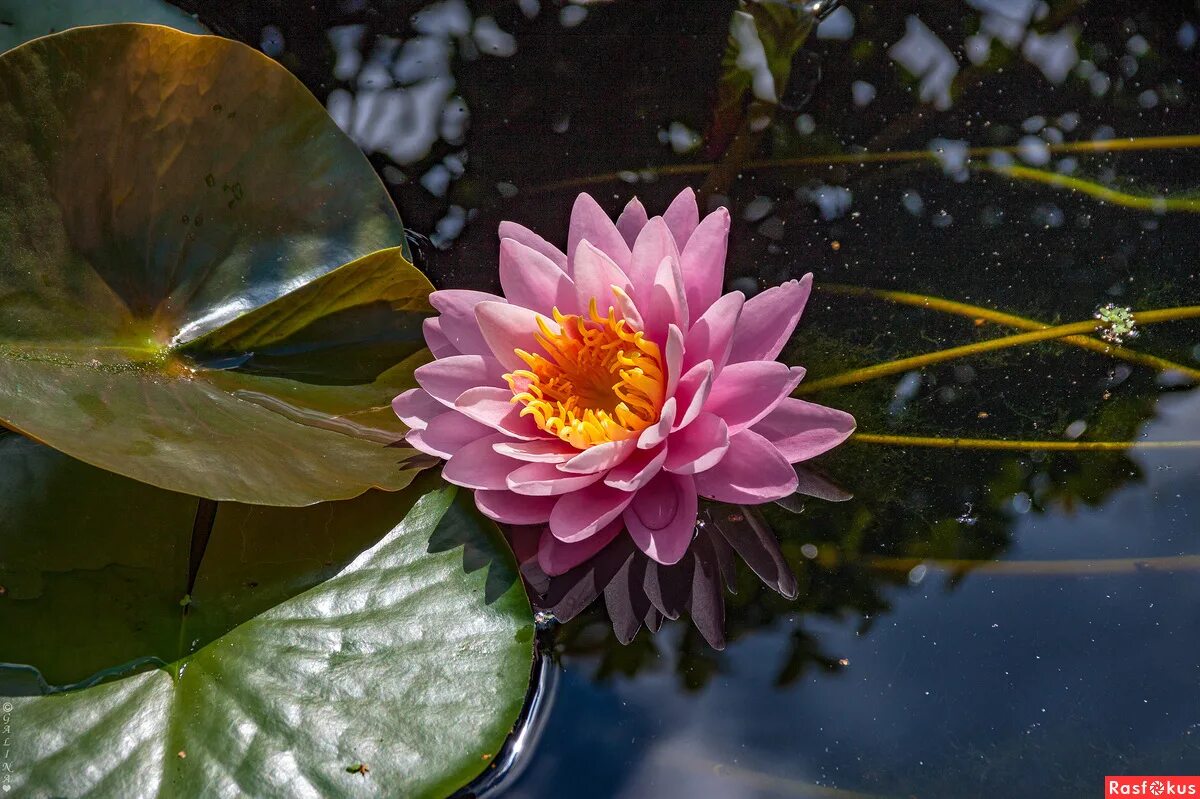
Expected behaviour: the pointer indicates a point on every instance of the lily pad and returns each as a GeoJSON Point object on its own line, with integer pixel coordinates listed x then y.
{"type": "Point", "coordinates": [412, 658]}
{"type": "Point", "coordinates": [204, 285]}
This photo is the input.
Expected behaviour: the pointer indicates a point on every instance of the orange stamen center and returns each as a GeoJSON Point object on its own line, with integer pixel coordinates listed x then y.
{"type": "Point", "coordinates": [601, 382]}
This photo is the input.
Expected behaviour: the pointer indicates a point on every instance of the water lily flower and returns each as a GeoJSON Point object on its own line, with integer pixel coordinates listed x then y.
{"type": "Point", "coordinates": [614, 385]}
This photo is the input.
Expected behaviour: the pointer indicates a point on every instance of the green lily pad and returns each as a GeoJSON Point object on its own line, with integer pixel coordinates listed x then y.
{"type": "Point", "coordinates": [22, 20]}
{"type": "Point", "coordinates": [204, 284]}
{"type": "Point", "coordinates": [412, 658]}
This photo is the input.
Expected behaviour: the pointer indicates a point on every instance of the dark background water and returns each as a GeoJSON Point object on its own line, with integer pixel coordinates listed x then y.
{"type": "Point", "coordinates": [973, 622]}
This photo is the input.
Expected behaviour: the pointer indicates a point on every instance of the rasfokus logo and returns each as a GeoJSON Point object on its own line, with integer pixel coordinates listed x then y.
{"type": "Point", "coordinates": [1151, 786]}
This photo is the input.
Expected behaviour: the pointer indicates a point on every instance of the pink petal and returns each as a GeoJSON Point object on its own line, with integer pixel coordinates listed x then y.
{"type": "Point", "coordinates": [584, 513]}
{"type": "Point", "coordinates": [768, 319]}
{"type": "Point", "coordinates": [712, 335]}
{"type": "Point", "coordinates": [437, 341]}
{"type": "Point", "coordinates": [668, 302]}
{"type": "Point", "coordinates": [662, 517]}
{"type": "Point", "coordinates": [627, 309]}
{"type": "Point", "coordinates": [653, 244]}
{"type": "Point", "coordinates": [746, 392]}
{"type": "Point", "coordinates": [751, 472]}
{"type": "Point", "coordinates": [507, 328]}
{"type": "Point", "coordinates": [446, 378]}
{"type": "Point", "coordinates": [415, 408]}
{"type": "Point", "coordinates": [511, 230]}
{"type": "Point", "coordinates": [637, 470]}
{"type": "Point", "coordinates": [601, 457]}
{"type": "Point", "coordinates": [595, 276]}
{"type": "Point", "coordinates": [632, 220]}
{"type": "Point", "coordinates": [673, 359]}
{"type": "Point", "coordinates": [509, 508]}
{"type": "Point", "coordinates": [546, 450]}
{"type": "Point", "coordinates": [588, 221]}
{"type": "Point", "coordinates": [449, 433]}
{"type": "Point", "coordinates": [657, 433]}
{"type": "Point", "coordinates": [699, 446]}
{"type": "Point", "coordinates": [494, 407]}
{"type": "Point", "coordinates": [477, 465]}
{"type": "Point", "coordinates": [682, 216]}
{"type": "Point", "coordinates": [532, 280]}
{"type": "Point", "coordinates": [558, 557]}
{"type": "Point", "coordinates": [801, 430]}
{"type": "Point", "coordinates": [703, 261]}
{"type": "Point", "coordinates": [692, 393]}
{"type": "Point", "coordinates": [457, 309]}
{"type": "Point", "coordinates": [545, 480]}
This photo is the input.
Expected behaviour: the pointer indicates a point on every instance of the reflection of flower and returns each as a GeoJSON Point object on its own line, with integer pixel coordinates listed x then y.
{"type": "Point", "coordinates": [616, 385]}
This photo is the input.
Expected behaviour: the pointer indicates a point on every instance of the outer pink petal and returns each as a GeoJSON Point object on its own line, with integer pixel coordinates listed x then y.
{"type": "Point", "coordinates": [588, 221]}
{"type": "Point", "coordinates": [657, 433]}
{"type": "Point", "coordinates": [601, 457]}
{"type": "Point", "coordinates": [712, 334]}
{"type": "Point", "coordinates": [584, 513]}
{"type": "Point", "coordinates": [595, 276]}
{"type": "Point", "coordinates": [532, 280]}
{"type": "Point", "coordinates": [545, 480]}
{"type": "Point", "coordinates": [662, 517]}
{"type": "Point", "coordinates": [703, 261]}
{"type": "Point", "coordinates": [415, 408]}
{"type": "Point", "coordinates": [768, 320]}
{"type": "Point", "coordinates": [751, 472]}
{"type": "Point", "coordinates": [506, 328]}
{"type": "Point", "coordinates": [477, 465]}
{"type": "Point", "coordinates": [509, 508]}
{"type": "Point", "coordinates": [746, 392]}
{"type": "Point", "coordinates": [494, 407]}
{"type": "Point", "coordinates": [546, 450]}
{"type": "Point", "coordinates": [653, 244]}
{"type": "Point", "coordinates": [449, 433]}
{"type": "Point", "coordinates": [637, 470]}
{"type": "Point", "coordinates": [457, 309]}
{"type": "Point", "coordinates": [682, 216]}
{"type": "Point", "coordinates": [437, 341]}
{"type": "Point", "coordinates": [446, 378]}
{"type": "Point", "coordinates": [692, 393]}
{"type": "Point", "coordinates": [801, 430]}
{"type": "Point", "coordinates": [558, 557]}
{"type": "Point", "coordinates": [511, 230]}
{"type": "Point", "coordinates": [699, 446]}
{"type": "Point", "coordinates": [632, 220]}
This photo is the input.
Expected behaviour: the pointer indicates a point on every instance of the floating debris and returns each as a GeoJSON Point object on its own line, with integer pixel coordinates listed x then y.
{"type": "Point", "coordinates": [360, 769]}
{"type": "Point", "coordinates": [1117, 324]}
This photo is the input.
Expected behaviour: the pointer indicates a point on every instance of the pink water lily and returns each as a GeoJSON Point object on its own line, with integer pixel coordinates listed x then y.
{"type": "Point", "coordinates": [614, 385]}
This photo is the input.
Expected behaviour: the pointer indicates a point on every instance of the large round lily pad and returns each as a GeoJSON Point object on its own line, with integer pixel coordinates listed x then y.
{"type": "Point", "coordinates": [412, 657]}
{"type": "Point", "coordinates": [203, 284]}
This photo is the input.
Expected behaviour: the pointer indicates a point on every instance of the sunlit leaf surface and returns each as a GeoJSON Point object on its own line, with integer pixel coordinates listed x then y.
{"type": "Point", "coordinates": [412, 657]}
{"type": "Point", "coordinates": [202, 286]}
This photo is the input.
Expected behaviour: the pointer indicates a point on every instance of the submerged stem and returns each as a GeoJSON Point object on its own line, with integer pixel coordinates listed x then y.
{"type": "Point", "coordinates": [1095, 190]}
{"type": "Point", "coordinates": [1010, 444]}
{"type": "Point", "coordinates": [1012, 320]}
{"type": "Point", "coordinates": [862, 159]}
{"type": "Point", "coordinates": [928, 359]}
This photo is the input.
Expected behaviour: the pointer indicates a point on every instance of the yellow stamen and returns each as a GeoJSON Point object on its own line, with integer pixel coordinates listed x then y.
{"type": "Point", "coordinates": [598, 381]}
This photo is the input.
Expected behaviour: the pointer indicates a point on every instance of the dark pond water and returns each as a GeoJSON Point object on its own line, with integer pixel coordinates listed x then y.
{"type": "Point", "coordinates": [975, 621]}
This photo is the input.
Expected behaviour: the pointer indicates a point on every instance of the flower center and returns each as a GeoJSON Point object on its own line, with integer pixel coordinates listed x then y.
{"type": "Point", "coordinates": [602, 382]}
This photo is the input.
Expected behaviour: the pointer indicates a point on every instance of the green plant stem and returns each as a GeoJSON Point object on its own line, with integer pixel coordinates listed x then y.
{"type": "Point", "coordinates": [1010, 444]}
{"type": "Point", "coordinates": [1012, 320]}
{"type": "Point", "coordinates": [920, 361]}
